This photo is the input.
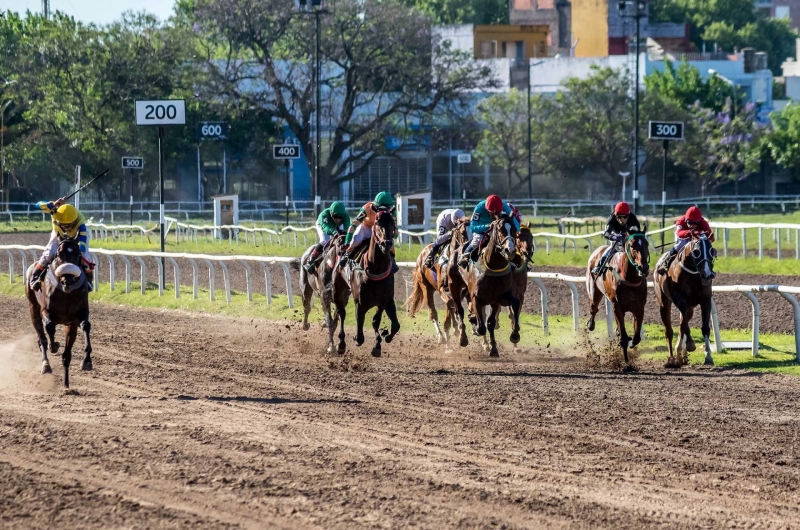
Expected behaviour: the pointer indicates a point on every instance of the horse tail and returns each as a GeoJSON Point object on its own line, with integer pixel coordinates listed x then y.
{"type": "Point", "coordinates": [418, 295]}
{"type": "Point", "coordinates": [295, 264]}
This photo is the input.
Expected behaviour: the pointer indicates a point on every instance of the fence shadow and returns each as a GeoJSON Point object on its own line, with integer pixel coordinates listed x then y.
{"type": "Point", "coordinates": [266, 401]}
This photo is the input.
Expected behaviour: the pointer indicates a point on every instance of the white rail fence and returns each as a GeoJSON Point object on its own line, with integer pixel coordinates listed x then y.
{"type": "Point", "coordinates": [574, 283]}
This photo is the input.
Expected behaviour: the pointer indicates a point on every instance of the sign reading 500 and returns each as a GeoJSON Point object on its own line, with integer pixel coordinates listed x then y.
{"type": "Point", "coordinates": [161, 112]}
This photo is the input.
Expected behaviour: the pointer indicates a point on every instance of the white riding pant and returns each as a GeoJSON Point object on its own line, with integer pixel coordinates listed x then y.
{"type": "Point", "coordinates": [323, 237]}
{"type": "Point", "coordinates": [362, 233]}
{"type": "Point", "coordinates": [679, 244]}
{"type": "Point", "coordinates": [50, 249]}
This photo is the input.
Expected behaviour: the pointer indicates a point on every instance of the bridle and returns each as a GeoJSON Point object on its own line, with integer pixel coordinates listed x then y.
{"type": "Point", "coordinates": [528, 255]}
{"type": "Point", "coordinates": [385, 244]}
{"type": "Point", "coordinates": [629, 255]}
{"type": "Point", "coordinates": [701, 252]}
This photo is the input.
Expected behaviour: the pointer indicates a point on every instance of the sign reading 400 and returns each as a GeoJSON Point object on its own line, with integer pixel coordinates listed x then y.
{"type": "Point", "coordinates": [161, 112]}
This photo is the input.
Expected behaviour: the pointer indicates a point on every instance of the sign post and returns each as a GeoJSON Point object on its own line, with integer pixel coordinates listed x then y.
{"type": "Point", "coordinates": [463, 159]}
{"type": "Point", "coordinates": [161, 113]}
{"type": "Point", "coordinates": [287, 152]}
{"type": "Point", "coordinates": [667, 131]}
{"type": "Point", "coordinates": [132, 164]}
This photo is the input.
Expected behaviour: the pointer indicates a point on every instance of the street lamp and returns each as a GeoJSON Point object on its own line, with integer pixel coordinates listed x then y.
{"type": "Point", "coordinates": [714, 73]}
{"type": "Point", "coordinates": [530, 155]}
{"type": "Point", "coordinates": [641, 12]}
{"type": "Point", "coordinates": [317, 10]}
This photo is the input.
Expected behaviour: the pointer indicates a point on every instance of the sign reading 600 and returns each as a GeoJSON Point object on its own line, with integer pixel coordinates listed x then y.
{"type": "Point", "coordinates": [161, 112]}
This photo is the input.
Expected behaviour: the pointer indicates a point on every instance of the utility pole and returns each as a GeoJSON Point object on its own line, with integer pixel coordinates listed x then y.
{"type": "Point", "coordinates": [317, 204]}
{"type": "Point", "coordinates": [46, 9]}
{"type": "Point", "coordinates": [639, 12]}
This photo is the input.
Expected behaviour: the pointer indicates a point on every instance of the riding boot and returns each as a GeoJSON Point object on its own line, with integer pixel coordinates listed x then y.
{"type": "Point", "coordinates": [36, 276]}
{"type": "Point", "coordinates": [312, 259]}
{"type": "Point", "coordinates": [90, 279]}
{"type": "Point", "coordinates": [395, 268]}
{"type": "Point", "coordinates": [431, 257]}
{"type": "Point", "coordinates": [666, 262]}
{"type": "Point", "coordinates": [601, 265]}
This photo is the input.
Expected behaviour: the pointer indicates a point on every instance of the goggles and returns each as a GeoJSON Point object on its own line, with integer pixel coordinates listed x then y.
{"type": "Point", "coordinates": [65, 226]}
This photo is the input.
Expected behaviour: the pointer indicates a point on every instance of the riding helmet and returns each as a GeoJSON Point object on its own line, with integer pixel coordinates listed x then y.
{"type": "Point", "coordinates": [494, 204]}
{"type": "Point", "coordinates": [65, 215]}
{"type": "Point", "coordinates": [384, 200]}
{"type": "Point", "coordinates": [622, 208]}
{"type": "Point", "coordinates": [694, 214]}
{"type": "Point", "coordinates": [338, 210]}
{"type": "Point", "coordinates": [456, 216]}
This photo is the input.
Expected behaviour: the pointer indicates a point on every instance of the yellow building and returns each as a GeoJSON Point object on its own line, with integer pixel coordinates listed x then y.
{"type": "Point", "coordinates": [590, 27]}
{"type": "Point", "coordinates": [521, 42]}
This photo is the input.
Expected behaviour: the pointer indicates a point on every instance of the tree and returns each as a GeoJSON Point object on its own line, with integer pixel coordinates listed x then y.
{"type": "Point", "coordinates": [685, 86]}
{"type": "Point", "coordinates": [463, 11]}
{"type": "Point", "coordinates": [503, 141]}
{"type": "Point", "coordinates": [382, 70]}
{"type": "Point", "coordinates": [781, 144]}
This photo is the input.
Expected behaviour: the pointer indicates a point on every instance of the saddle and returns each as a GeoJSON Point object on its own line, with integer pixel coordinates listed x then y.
{"type": "Point", "coordinates": [360, 251]}
{"type": "Point", "coordinates": [50, 283]}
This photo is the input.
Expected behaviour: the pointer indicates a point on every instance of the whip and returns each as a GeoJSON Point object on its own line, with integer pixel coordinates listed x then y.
{"type": "Point", "coordinates": [79, 189]}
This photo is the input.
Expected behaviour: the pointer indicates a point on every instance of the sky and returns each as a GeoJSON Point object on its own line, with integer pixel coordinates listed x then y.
{"type": "Point", "coordinates": [97, 11]}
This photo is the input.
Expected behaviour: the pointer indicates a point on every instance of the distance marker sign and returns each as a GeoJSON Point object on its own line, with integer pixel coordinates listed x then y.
{"type": "Point", "coordinates": [161, 112]}
{"type": "Point", "coordinates": [212, 130]}
{"type": "Point", "coordinates": [132, 162]}
{"type": "Point", "coordinates": [666, 130]}
{"type": "Point", "coordinates": [285, 151]}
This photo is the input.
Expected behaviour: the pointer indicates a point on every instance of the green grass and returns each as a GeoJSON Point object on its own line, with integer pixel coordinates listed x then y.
{"type": "Point", "coordinates": [776, 354]}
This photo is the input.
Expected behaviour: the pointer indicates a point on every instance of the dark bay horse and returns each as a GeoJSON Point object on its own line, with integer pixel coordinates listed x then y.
{"type": "Point", "coordinates": [372, 283]}
{"type": "Point", "coordinates": [687, 284]}
{"type": "Point", "coordinates": [331, 287]}
{"type": "Point", "coordinates": [428, 281]}
{"type": "Point", "coordinates": [491, 276]}
{"type": "Point", "coordinates": [624, 283]}
{"type": "Point", "coordinates": [63, 300]}
{"type": "Point", "coordinates": [522, 259]}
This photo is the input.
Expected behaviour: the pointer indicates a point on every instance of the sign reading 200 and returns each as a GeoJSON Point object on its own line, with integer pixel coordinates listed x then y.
{"type": "Point", "coordinates": [161, 112]}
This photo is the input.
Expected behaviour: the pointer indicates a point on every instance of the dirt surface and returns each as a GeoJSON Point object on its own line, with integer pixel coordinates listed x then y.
{"type": "Point", "coordinates": [735, 311]}
{"type": "Point", "coordinates": [214, 422]}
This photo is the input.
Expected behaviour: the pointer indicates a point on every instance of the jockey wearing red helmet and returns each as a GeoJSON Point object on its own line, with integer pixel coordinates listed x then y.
{"type": "Point", "coordinates": [619, 225]}
{"type": "Point", "coordinates": [485, 213]}
{"type": "Point", "coordinates": [689, 225]}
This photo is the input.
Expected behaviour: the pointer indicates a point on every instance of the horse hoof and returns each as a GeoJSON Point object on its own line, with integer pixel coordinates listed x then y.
{"type": "Point", "coordinates": [690, 347]}
{"type": "Point", "coordinates": [514, 338]}
{"type": "Point", "coordinates": [441, 340]}
{"type": "Point", "coordinates": [709, 361]}
{"type": "Point", "coordinates": [481, 331]}
{"type": "Point", "coordinates": [87, 366]}
{"type": "Point", "coordinates": [54, 346]}
{"type": "Point", "coordinates": [590, 325]}
{"type": "Point", "coordinates": [494, 352]}
{"type": "Point", "coordinates": [46, 368]}
{"type": "Point", "coordinates": [306, 326]}
{"type": "Point", "coordinates": [464, 342]}
{"type": "Point", "coordinates": [358, 342]}
{"type": "Point", "coordinates": [671, 363]}
{"type": "Point", "coordinates": [376, 351]}
{"type": "Point", "coordinates": [628, 368]}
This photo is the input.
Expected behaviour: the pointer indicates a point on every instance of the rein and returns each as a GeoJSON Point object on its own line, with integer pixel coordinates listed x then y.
{"type": "Point", "coordinates": [630, 257]}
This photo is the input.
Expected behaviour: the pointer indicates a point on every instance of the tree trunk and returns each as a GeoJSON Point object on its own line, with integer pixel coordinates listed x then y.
{"type": "Point", "coordinates": [508, 183]}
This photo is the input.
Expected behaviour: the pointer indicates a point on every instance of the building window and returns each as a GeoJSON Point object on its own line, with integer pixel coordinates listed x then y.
{"type": "Point", "coordinates": [782, 12]}
{"type": "Point", "coordinates": [545, 4]}
{"type": "Point", "coordinates": [523, 5]}
{"type": "Point", "coordinates": [489, 49]}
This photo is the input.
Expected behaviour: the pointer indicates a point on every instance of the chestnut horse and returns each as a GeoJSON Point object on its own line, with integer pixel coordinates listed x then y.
{"type": "Point", "coordinates": [624, 283]}
{"type": "Point", "coordinates": [427, 281]}
{"type": "Point", "coordinates": [372, 282]}
{"type": "Point", "coordinates": [687, 284]}
{"type": "Point", "coordinates": [491, 276]}
{"type": "Point", "coordinates": [63, 300]}
{"type": "Point", "coordinates": [330, 287]}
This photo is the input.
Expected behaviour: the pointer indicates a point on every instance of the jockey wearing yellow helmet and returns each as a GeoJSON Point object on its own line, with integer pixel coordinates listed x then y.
{"type": "Point", "coordinates": [68, 222]}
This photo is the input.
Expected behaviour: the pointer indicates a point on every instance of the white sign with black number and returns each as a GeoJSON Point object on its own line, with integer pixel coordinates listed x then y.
{"type": "Point", "coordinates": [285, 151]}
{"type": "Point", "coordinates": [161, 112]}
{"type": "Point", "coordinates": [132, 162]}
{"type": "Point", "coordinates": [666, 130]}
{"type": "Point", "coordinates": [464, 158]}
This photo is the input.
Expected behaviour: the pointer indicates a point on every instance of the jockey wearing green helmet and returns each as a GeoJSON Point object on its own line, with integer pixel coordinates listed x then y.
{"type": "Point", "coordinates": [361, 228]}
{"type": "Point", "coordinates": [330, 223]}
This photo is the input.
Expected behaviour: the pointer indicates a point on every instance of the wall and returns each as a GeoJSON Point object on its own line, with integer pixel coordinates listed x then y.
{"type": "Point", "coordinates": [534, 38]}
{"type": "Point", "coordinates": [590, 25]}
{"type": "Point", "coordinates": [548, 76]}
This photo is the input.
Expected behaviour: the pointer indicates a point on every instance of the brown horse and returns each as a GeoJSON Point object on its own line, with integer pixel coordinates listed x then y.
{"type": "Point", "coordinates": [624, 283]}
{"type": "Point", "coordinates": [372, 282]}
{"type": "Point", "coordinates": [687, 284]}
{"type": "Point", "coordinates": [427, 281]}
{"type": "Point", "coordinates": [524, 257]}
{"type": "Point", "coordinates": [491, 276]}
{"type": "Point", "coordinates": [63, 300]}
{"type": "Point", "coordinates": [331, 287]}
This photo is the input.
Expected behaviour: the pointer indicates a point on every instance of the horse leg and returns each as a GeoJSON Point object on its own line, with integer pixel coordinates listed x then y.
{"type": "Point", "coordinates": [38, 326]}
{"type": "Point", "coordinates": [516, 305]}
{"type": "Point", "coordinates": [480, 319]}
{"type": "Point", "coordinates": [50, 328]}
{"type": "Point", "coordinates": [433, 315]}
{"type": "Point", "coordinates": [490, 324]}
{"type": "Point", "coordinates": [705, 315]}
{"type": "Point", "coordinates": [666, 319]}
{"type": "Point", "coordinates": [391, 312]}
{"type": "Point", "coordinates": [361, 314]}
{"type": "Point", "coordinates": [463, 341]}
{"type": "Point", "coordinates": [308, 293]}
{"type": "Point", "coordinates": [86, 328]}
{"type": "Point", "coordinates": [595, 296]}
{"type": "Point", "coordinates": [66, 357]}
{"type": "Point", "coordinates": [376, 324]}
{"type": "Point", "coordinates": [341, 313]}
{"type": "Point", "coordinates": [690, 345]}
{"type": "Point", "coordinates": [638, 319]}
{"type": "Point", "coordinates": [619, 316]}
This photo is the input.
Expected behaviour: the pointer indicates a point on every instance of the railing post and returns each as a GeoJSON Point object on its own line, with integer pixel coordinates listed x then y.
{"type": "Point", "coordinates": [267, 282]}
{"type": "Point", "coordinates": [11, 267]}
{"type": "Point", "coordinates": [796, 310]}
{"type": "Point", "coordinates": [756, 320]}
{"type": "Point", "coordinates": [127, 273]}
{"type": "Point", "coordinates": [288, 277]}
{"type": "Point", "coordinates": [248, 273]}
{"type": "Point", "coordinates": [726, 234]}
{"type": "Point", "coordinates": [110, 272]}
{"type": "Point", "coordinates": [226, 278]}
{"type": "Point", "coordinates": [543, 292]}
{"type": "Point", "coordinates": [143, 270]}
{"type": "Point", "coordinates": [176, 272]}
{"type": "Point", "coordinates": [195, 273]}
{"type": "Point", "coordinates": [760, 243]}
{"type": "Point", "coordinates": [744, 243]}
{"type": "Point", "coordinates": [211, 273]}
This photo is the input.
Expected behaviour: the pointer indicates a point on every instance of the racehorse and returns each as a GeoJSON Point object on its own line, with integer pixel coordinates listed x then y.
{"type": "Point", "coordinates": [491, 276]}
{"type": "Point", "coordinates": [687, 284]}
{"type": "Point", "coordinates": [372, 282]}
{"type": "Point", "coordinates": [624, 283]}
{"type": "Point", "coordinates": [523, 257]}
{"type": "Point", "coordinates": [330, 287]}
{"type": "Point", "coordinates": [427, 281]}
{"type": "Point", "coordinates": [62, 300]}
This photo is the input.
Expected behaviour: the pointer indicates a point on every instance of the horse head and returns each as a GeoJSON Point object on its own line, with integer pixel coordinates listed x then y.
{"type": "Point", "coordinates": [384, 231]}
{"type": "Point", "coordinates": [503, 233]}
{"type": "Point", "coordinates": [67, 263]}
{"type": "Point", "coordinates": [637, 250]}
{"type": "Point", "coordinates": [703, 255]}
{"type": "Point", "coordinates": [525, 243]}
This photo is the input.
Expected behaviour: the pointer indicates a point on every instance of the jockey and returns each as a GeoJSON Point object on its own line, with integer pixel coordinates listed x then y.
{"type": "Point", "coordinates": [331, 222]}
{"type": "Point", "coordinates": [446, 222]}
{"type": "Point", "coordinates": [621, 223]}
{"type": "Point", "coordinates": [484, 214]}
{"type": "Point", "coordinates": [690, 225]}
{"type": "Point", "coordinates": [68, 222]}
{"type": "Point", "coordinates": [361, 228]}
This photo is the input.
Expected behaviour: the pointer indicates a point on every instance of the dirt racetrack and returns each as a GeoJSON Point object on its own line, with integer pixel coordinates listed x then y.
{"type": "Point", "coordinates": [218, 422]}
